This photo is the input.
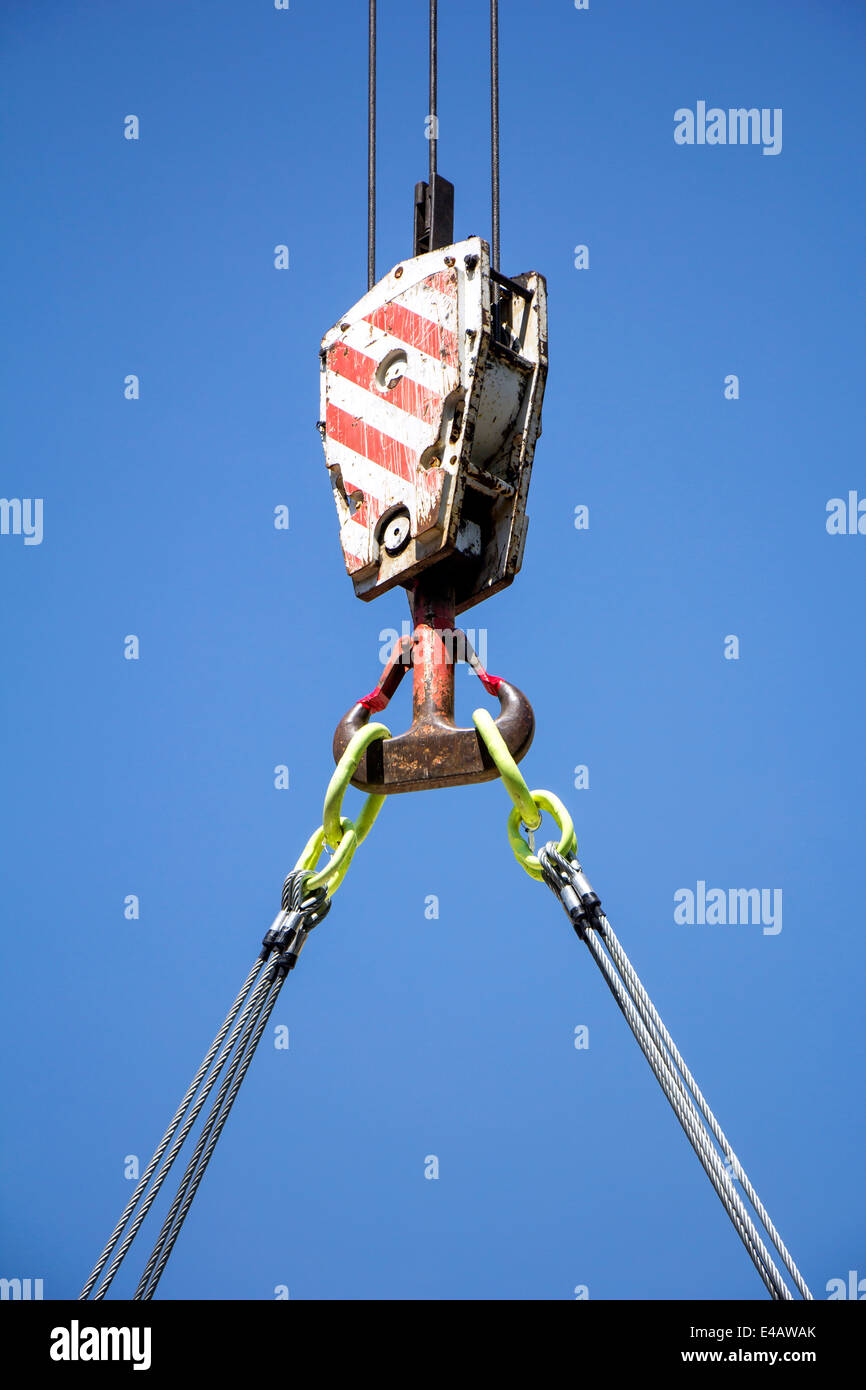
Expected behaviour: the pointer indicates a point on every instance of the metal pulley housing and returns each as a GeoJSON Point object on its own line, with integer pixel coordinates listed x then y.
{"type": "Point", "coordinates": [431, 391]}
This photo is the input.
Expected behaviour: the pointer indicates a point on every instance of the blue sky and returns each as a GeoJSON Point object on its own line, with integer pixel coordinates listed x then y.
{"type": "Point", "coordinates": [155, 777]}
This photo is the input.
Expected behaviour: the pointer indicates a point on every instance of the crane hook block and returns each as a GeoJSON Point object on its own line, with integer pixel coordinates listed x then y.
{"type": "Point", "coordinates": [431, 390]}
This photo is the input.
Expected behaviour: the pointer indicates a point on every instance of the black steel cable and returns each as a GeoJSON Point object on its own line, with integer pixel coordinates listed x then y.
{"type": "Point", "coordinates": [433, 133]}
{"type": "Point", "coordinates": [494, 132]}
{"type": "Point", "coordinates": [239, 1031]}
{"type": "Point", "coordinates": [161, 1148]}
{"type": "Point", "coordinates": [567, 880]}
{"type": "Point", "coordinates": [253, 1019]}
{"type": "Point", "coordinates": [694, 1132]}
{"type": "Point", "coordinates": [211, 1132]}
{"type": "Point", "coordinates": [255, 1002]}
{"type": "Point", "coordinates": [371, 151]}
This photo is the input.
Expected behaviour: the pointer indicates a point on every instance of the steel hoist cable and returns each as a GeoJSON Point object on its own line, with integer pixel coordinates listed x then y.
{"type": "Point", "coordinates": [558, 866]}
{"type": "Point", "coordinates": [305, 902]}
{"type": "Point", "coordinates": [263, 1004]}
{"type": "Point", "coordinates": [494, 133]}
{"type": "Point", "coordinates": [280, 949]}
{"type": "Point", "coordinates": [139, 1191]}
{"type": "Point", "coordinates": [371, 146]}
{"type": "Point", "coordinates": [433, 102]}
{"type": "Point", "coordinates": [594, 930]}
{"type": "Point", "coordinates": [663, 1041]}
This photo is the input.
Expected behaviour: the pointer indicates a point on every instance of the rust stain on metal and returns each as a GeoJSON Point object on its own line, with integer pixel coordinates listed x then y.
{"type": "Point", "coordinates": [428, 399]}
{"type": "Point", "coordinates": [434, 752]}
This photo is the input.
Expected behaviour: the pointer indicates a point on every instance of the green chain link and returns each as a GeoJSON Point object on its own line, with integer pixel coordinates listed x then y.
{"type": "Point", "coordinates": [528, 805]}
{"type": "Point", "coordinates": [337, 833]}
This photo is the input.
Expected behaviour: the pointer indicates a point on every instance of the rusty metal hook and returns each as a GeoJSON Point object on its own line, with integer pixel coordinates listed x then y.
{"type": "Point", "coordinates": [434, 752]}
